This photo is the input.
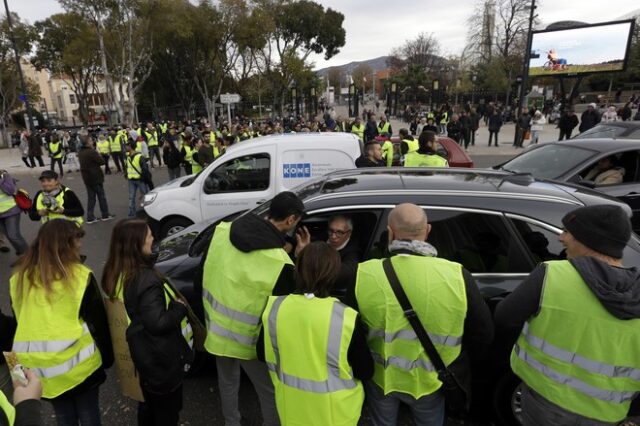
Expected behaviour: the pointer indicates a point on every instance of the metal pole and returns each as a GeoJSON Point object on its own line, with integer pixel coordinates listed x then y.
{"type": "Point", "coordinates": [229, 114]}
{"type": "Point", "coordinates": [525, 68]}
{"type": "Point", "coordinates": [23, 86]}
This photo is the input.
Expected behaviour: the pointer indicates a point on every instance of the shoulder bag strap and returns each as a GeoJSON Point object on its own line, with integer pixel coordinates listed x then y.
{"type": "Point", "coordinates": [412, 317]}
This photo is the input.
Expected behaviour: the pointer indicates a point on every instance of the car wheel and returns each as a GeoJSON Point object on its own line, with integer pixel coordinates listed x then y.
{"type": "Point", "coordinates": [507, 400]}
{"type": "Point", "coordinates": [173, 226]}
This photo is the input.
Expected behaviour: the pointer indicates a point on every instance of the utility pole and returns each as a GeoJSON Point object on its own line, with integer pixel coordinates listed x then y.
{"type": "Point", "coordinates": [525, 68]}
{"type": "Point", "coordinates": [27, 105]}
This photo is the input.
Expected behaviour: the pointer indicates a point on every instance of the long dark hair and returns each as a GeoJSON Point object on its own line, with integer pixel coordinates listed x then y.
{"type": "Point", "coordinates": [317, 268]}
{"type": "Point", "coordinates": [125, 254]}
{"type": "Point", "coordinates": [50, 257]}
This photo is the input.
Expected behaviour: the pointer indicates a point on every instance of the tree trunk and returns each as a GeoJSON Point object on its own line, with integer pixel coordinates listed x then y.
{"type": "Point", "coordinates": [111, 96]}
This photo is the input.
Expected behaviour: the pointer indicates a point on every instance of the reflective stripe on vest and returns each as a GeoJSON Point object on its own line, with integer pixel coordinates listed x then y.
{"type": "Point", "coordinates": [134, 167]}
{"type": "Point", "coordinates": [333, 382]}
{"type": "Point", "coordinates": [445, 118]}
{"type": "Point", "coordinates": [411, 335]}
{"type": "Point", "coordinates": [415, 159]}
{"type": "Point", "coordinates": [103, 146]}
{"type": "Point", "coordinates": [228, 312]}
{"type": "Point", "coordinates": [185, 326]}
{"type": "Point", "coordinates": [412, 145]}
{"type": "Point", "coordinates": [152, 138]}
{"type": "Point", "coordinates": [114, 144]}
{"type": "Point", "coordinates": [7, 202]}
{"type": "Point", "coordinates": [51, 215]}
{"type": "Point", "coordinates": [7, 409]}
{"type": "Point", "coordinates": [403, 363]}
{"type": "Point", "coordinates": [387, 152]}
{"type": "Point", "coordinates": [384, 129]}
{"type": "Point", "coordinates": [575, 353]}
{"type": "Point", "coordinates": [55, 149]}
{"type": "Point", "coordinates": [358, 131]}
{"type": "Point", "coordinates": [188, 153]}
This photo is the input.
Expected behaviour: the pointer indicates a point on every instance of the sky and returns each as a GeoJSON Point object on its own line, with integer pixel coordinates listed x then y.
{"type": "Point", "coordinates": [375, 27]}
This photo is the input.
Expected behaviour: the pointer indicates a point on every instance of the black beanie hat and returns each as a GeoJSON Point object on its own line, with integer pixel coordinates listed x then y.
{"type": "Point", "coordinates": [603, 228]}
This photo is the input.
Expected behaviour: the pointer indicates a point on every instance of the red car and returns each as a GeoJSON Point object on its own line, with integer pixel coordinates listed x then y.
{"type": "Point", "coordinates": [447, 148]}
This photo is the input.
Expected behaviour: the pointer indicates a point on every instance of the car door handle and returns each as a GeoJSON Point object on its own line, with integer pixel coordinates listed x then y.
{"type": "Point", "coordinates": [261, 201]}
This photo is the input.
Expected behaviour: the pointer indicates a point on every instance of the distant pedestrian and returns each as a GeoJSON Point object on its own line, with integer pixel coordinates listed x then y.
{"type": "Point", "coordinates": [625, 113]}
{"type": "Point", "coordinates": [135, 171]}
{"type": "Point", "coordinates": [10, 213]}
{"type": "Point", "coordinates": [610, 115]}
{"type": "Point", "coordinates": [35, 149]}
{"type": "Point", "coordinates": [104, 149]}
{"type": "Point", "coordinates": [465, 129]}
{"type": "Point", "coordinates": [537, 125]}
{"type": "Point", "coordinates": [454, 128]}
{"type": "Point", "coordinates": [116, 148]}
{"type": "Point", "coordinates": [56, 153]}
{"type": "Point", "coordinates": [589, 118]}
{"type": "Point", "coordinates": [93, 178]}
{"type": "Point", "coordinates": [172, 158]}
{"type": "Point", "coordinates": [55, 201]}
{"type": "Point", "coordinates": [523, 128]}
{"type": "Point", "coordinates": [494, 124]}
{"type": "Point", "coordinates": [24, 151]}
{"type": "Point", "coordinates": [474, 125]}
{"type": "Point", "coordinates": [371, 128]}
{"type": "Point", "coordinates": [567, 123]}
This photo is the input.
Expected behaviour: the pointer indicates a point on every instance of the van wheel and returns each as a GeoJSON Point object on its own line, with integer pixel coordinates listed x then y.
{"type": "Point", "coordinates": [173, 226]}
{"type": "Point", "coordinates": [507, 400]}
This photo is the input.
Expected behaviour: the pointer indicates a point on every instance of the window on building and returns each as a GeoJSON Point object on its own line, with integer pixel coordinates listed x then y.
{"type": "Point", "coordinates": [72, 98]}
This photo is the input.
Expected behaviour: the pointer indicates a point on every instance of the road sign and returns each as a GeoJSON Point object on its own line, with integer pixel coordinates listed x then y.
{"type": "Point", "coordinates": [230, 98]}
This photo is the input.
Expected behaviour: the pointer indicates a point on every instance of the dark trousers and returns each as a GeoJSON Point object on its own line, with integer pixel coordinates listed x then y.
{"type": "Point", "coordinates": [466, 137]}
{"type": "Point", "coordinates": [57, 161]}
{"type": "Point", "coordinates": [473, 137]}
{"type": "Point", "coordinates": [79, 409]}
{"type": "Point", "coordinates": [37, 157]}
{"type": "Point", "coordinates": [187, 169]}
{"type": "Point", "coordinates": [118, 160]}
{"type": "Point", "coordinates": [493, 134]}
{"type": "Point", "coordinates": [94, 191]}
{"type": "Point", "coordinates": [565, 134]}
{"type": "Point", "coordinates": [24, 160]}
{"type": "Point", "coordinates": [160, 410]}
{"type": "Point", "coordinates": [174, 172]}
{"type": "Point", "coordinates": [10, 226]}
{"type": "Point", "coordinates": [154, 152]}
{"type": "Point", "coordinates": [107, 169]}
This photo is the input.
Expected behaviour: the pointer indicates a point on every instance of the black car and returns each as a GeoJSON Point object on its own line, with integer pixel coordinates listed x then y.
{"type": "Point", "coordinates": [613, 130]}
{"type": "Point", "coordinates": [573, 161]}
{"type": "Point", "coordinates": [498, 225]}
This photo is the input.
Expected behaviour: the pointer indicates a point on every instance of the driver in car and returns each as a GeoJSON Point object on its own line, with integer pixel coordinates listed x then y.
{"type": "Point", "coordinates": [606, 172]}
{"type": "Point", "coordinates": [339, 230]}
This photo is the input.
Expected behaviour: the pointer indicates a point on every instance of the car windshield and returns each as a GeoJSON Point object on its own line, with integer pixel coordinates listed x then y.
{"type": "Point", "coordinates": [549, 161]}
{"type": "Point", "coordinates": [607, 131]}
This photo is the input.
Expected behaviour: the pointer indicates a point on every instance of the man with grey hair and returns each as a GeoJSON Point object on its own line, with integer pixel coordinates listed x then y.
{"type": "Point", "coordinates": [447, 302]}
{"type": "Point", "coordinates": [340, 231]}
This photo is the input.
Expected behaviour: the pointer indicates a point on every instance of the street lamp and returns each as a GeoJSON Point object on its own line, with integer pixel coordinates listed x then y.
{"type": "Point", "coordinates": [525, 67]}
{"type": "Point", "coordinates": [394, 94]}
{"type": "Point", "coordinates": [294, 100]}
{"type": "Point", "coordinates": [436, 97]}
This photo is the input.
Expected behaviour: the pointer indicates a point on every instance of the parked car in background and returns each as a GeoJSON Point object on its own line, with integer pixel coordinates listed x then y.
{"type": "Point", "coordinates": [613, 130]}
{"type": "Point", "coordinates": [573, 160]}
{"type": "Point", "coordinates": [497, 224]}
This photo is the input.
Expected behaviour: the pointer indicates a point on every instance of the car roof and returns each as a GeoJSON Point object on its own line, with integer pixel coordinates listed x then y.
{"type": "Point", "coordinates": [597, 144]}
{"type": "Point", "coordinates": [319, 138]}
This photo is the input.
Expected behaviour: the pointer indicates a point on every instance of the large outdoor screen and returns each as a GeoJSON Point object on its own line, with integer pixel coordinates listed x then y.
{"type": "Point", "coordinates": [580, 50]}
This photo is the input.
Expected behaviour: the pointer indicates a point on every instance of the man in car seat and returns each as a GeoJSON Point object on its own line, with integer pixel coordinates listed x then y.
{"type": "Point", "coordinates": [340, 231]}
{"type": "Point", "coordinates": [606, 172]}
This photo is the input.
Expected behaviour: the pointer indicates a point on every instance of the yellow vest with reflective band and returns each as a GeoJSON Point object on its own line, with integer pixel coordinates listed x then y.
{"type": "Point", "coordinates": [430, 115]}
{"type": "Point", "coordinates": [195, 166]}
{"type": "Point", "coordinates": [185, 326]}
{"type": "Point", "coordinates": [575, 353]}
{"type": "Point", "coordinates": [7, 202]}
{"type": "Point", "coordinates": [103, 147]}
{"type": "Point", "coordinates": [437, 293]}
{"type": "Point", "coordinates": [134, 167]}
{"type": "Point", "coordinates": [60, 199]}
{"type": "Point", "coordinates": [445, 118]}
{"type": "Point", "coordinates": [359, 131]}
{"type": "Point", "coordinates": [384, 129]}
{"type": "Point", "coordinates": [164, 127]}
{"type": "Point", "coordinates": [114, 144]}
{"type": "Point", "coordinates": [55, 148]}
{"type": "Point", "coordinates": [7, 408]}
{"type": "Point", "coordinates": [412, 145]}
{"type": "Point", "coordinates": [415, 159]}
{"type": "Point", "coordinates": [139, 149]}
{"type": "Point", "coordinates": [387, 152]}
{"type": "Point", "coordinates": [188, 153]}
{"type": "Point", "coordinates": [51, 338]}
{"type": "Point", "coordinates": [152, 138]}
{"type": "Point", "coordinates": [313, 381]}
{"type": "Point", "coordinates": [235, 292]}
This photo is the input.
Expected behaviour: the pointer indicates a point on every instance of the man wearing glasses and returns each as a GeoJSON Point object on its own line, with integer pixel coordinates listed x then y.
{"type": "Point", "coordinates": [339, 230]}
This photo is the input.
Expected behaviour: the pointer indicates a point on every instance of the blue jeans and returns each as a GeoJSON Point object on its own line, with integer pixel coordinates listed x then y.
{"type": "Point", "coordinates": [425, 411]}
{"type": "Point", "coordinates": [134, 186]}
{"type": "Point", "coordinates": [10, 226]}
{"type": "Point", "coordinates": [80, 409]}
{"type": "Point", "coordinates": [93, 192]}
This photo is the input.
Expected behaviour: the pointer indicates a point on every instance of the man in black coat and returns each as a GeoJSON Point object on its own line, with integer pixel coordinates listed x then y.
{"type": "Point", "coordinates": [567, 123]}
{"type": "Point", "coordinates": [372, 156]}
{"type": "Point", "coordinates": [589, 118]}
{"type": "Point", "coordinates": [93, 178]}
{"type": "Point", "coordinates": [371, 129]}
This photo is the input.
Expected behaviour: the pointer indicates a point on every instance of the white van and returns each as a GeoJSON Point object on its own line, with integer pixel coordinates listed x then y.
{"type": "Point", "coordinates": [248, 174]}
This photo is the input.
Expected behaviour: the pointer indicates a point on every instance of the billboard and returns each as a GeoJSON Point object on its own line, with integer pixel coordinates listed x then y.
{"type": "Point", "coordinates": [585, 49]}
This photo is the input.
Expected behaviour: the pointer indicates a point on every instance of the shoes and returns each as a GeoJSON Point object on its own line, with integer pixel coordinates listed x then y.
{"type": "Point", "coordinates": [108, 217]}
{"type": "Point", "coordinates": [90, 221]}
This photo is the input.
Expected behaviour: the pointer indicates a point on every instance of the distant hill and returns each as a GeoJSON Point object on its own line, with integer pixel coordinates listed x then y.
{"type": "Point", "coordinates": [376, 64]}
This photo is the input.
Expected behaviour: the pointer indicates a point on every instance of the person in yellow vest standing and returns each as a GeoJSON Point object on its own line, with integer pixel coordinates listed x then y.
{"type": "Point", "coordinates": [443, 118]}
{"type": "Point", "coordinates": [63, 332]}
{"type": "Point", "coordinates": [578, 352]}
{"type": "Point", "coordinates": [319, 382]}
{"type": "Point", "coordinates": [104, 149]}
{"type": "Point", "coordinates": [26, 409]}
{"type": "Point", "coordinates": [152, 305]}
{"type": "Point", "coordinates": [357, 128]}
{"type": "Point", "coordinates": [55, 201]}
{"type": "Point", "coordinates": [56, 152]}
{"type": "Point", "coordinates": [454, 315]}
{"type": "Point", "coordinates": [407, 142]}
{"type": "Point", "coordinates": [384, 127]}
{"type": "Point", "coordinates": [235, 296]}
{"type": "Point", "coordinates": [187, 151]}
{"type": "Point", "coordinates": [10, 213]}
{"type": "Point", "coordinates": [151, 136]}
{"type": "Point", "coordinates": [115, 147]}
{"type": "Point", "coordinates": [136, 170]}
{"type": "Point", "coordinates": [427, 154]}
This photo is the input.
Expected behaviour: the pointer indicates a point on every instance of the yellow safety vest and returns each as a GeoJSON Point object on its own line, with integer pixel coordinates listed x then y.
{"type": "Point", "coordinates": [359, 131]}
{"type": "Point", "coordinates": [114, 144]}
{"type": "Point", "coordinates": [7, 409]}
{"type": "Point", "coordinates": [437, 290]}
{"type": "Point", "coordinates": [51, 338]}
{"type": "Point", "coordinates": [384, 129]}
{"type": "Point", "coordinates": [575, 353]}
{"type": "Point", "coordinates": [195, 166]}
{"type": "Point", "coordinates": [415, 159]}
{"type": "Point", "coordinates": [387, 152]}
{"type": "Point", "coordinates": [152, 138]}
{"type": "Point", "coordinates": [60, 199]}
{"type": "Point", "coordinates": [55, 148]}
{"type": "Point", "coordinates": [163, 128]}
{"type": "Point", "coordinates": [313, 381]}
{"type": "Point", "coordinates": [7, 202]}
{"type": "Point", "coordinates": [234, 295]}
{"type": "Point", "coordinates": [134, 167]}
{"type": "Point", "coordinates": [188, 153]}
{"type": "Point", "coordinates": [445, 118]}
{"type": "Point", "coordinates": [412, 145]}
{"type": "Point", "coordinates": [103, 147]}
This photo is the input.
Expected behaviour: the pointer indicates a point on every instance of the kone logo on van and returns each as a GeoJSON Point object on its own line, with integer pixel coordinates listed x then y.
{"type": "Point", "coordinates": [296, 170]}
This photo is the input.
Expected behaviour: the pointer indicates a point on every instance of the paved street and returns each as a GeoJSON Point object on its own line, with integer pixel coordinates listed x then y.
{"type": "Point", "coordinates": [201, 401]}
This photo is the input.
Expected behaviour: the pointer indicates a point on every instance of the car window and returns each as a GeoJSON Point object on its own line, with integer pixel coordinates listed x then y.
{"type": "Point", "coordinates": [247, 173]}
{"type": "Point", "coordinates": [541, 243]}
{"type": "Point", "coordinates": [549, 161]}
{"type": "Point", "coordinates": [617, 168]}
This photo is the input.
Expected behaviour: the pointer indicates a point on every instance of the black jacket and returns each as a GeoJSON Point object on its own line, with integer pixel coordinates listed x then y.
{"type": "Point", "coordinates": [171, 156]}
{"type": "Point", "coordinates": [588, 119]}
{"type": "Point", "coordinates": [453, 130]}
{"type": "Point", "coordinates": [90, 162]}
{"type": "Point", "coordinates": [349, 257]}
{"type": "Point", "coordinates": [370, 131]}
{"type": "Point", "coordinates": [618, 289]}
{"type": "Point", "coordinates": [28, 413]}
{"type": "Point", "coordinates": [495, 122]}
{"type": "Point", "coordinates": [7, 331]}
{"type": "Point", "coordinates": [72, 205]}
{"type": "Point", "coordinates": [364, 161]}
{"type": "Point", "coordinates": [568, 122]}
